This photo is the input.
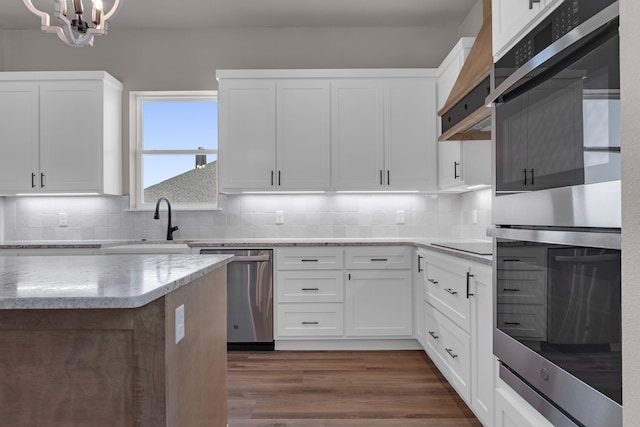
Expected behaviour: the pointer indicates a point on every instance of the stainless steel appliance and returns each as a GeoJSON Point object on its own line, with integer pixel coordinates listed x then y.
{"type": "Point", "coordinates": [557, 211]}
{"type": "Point", "coordinates": [249, 298]}
{"type": "Point", "coordinates": [557, 121]}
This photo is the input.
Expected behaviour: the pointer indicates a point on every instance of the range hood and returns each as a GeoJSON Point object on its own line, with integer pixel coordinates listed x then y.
{"type": "Point", "coordinates": [465, 115]}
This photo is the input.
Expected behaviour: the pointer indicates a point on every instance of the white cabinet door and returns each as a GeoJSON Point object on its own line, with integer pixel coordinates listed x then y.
{"type": "Point", "coordinates": [70, 136]}
{"type": "Point", "coordinates": [357, 134]}
{"type": "Point", "coordinates": [19, 136]}
{"type": "Point", "coordinates": [482, 359]}
{"type": "Point", "coordinates": [378, 303]}
{"type": "Point", "coordinates": [410, 134]}
{"type": "Point", "coordinates": [303, 135]}
{"type": "Point", "coordinates": [450, 164]}
{"type": "Point", "coordinates": [247, 129]}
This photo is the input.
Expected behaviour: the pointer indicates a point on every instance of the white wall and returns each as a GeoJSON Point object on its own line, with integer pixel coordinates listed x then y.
{"type": "Point", "coordinates": [472, 23]}
{"type": "Point", "coordinates": [630, 89]}
{"type": "Point", "coordinates": [241, 216]}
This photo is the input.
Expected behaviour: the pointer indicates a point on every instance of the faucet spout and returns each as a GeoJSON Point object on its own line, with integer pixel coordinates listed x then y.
{"type": "Point", "coordinates": [156, 215]}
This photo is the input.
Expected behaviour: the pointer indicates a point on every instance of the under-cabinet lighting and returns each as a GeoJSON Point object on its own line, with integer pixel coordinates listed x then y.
{"type": "Point", "coordinates": [283, 192]}
{"type": "Point", "coordinates": [56, 194]}
{"type": "Point", "coordinates": [476, 187]}
{"type": "Point", "coordinates": [378, 192]}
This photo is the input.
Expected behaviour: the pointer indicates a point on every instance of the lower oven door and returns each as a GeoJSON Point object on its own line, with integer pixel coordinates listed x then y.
{"type": "Point", "coordinates": [558, 319]}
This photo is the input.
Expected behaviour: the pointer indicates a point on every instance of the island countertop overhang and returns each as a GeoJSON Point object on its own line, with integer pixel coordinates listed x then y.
{"type": "Point", "coordinates": [95, 282]}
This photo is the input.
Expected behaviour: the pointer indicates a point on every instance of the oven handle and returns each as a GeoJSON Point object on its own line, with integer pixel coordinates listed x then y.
{"type": "Point", "coordinates": [587, 258]}
{"type": "Point", "coordinates": [589, 26]}
{"type": "Point", "coordinates": [611, 240]}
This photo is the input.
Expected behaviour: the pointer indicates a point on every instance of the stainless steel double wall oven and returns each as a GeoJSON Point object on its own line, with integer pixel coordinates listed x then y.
{"type": "Point", "coordinates": [557, 215]}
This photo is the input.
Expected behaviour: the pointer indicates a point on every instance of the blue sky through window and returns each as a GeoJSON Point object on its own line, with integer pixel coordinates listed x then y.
{"type": "Point", "coordinates": [177, 125]}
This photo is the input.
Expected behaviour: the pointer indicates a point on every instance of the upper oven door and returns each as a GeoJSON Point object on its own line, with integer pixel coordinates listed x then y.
{"type": "Point", "coordinates": [562, 127]}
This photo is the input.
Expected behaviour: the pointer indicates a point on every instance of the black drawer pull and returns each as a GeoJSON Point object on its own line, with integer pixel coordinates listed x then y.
{"type": "Point", "coordinates": [511, 290]}
{"type": "Point", "coordinates": [433, 334]}
{"type": "Point", "coordinates": [450, 351]}
{"type": "Point", "coordinates": [435, 282]}
{"type": "Point", "coordinates": [451, 291]}
{"type": "Point", "coordinates": [310, 289]}
{"type": "Point", "coordinates": [469, 276]}
{"type": "Point", "coordinates": [379, 259]}
{"type": "Point", "coordinates": [33, 180]}
{"type": "Point", "coordinates": [310, 323]}
{"type": "Point", "coordinates": [308, 260]}
{"type": "Point", "coordinates": [419, 259]}
{"type": "Point", "coordinates": [512, 323]}
{"type": "Point", "coordinates": [511, 260]}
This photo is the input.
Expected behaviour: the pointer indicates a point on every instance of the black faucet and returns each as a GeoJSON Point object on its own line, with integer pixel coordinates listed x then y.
{"type": "Point", "coordinates": [156, 215]}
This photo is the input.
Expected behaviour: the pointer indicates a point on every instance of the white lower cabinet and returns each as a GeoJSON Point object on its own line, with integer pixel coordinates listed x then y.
{"type": "Point", "coordinates": [344, 293]}
{"type": "Point", "coordinates": [458, 328]}
{"type": "Point", "coordinates": [513, 411]}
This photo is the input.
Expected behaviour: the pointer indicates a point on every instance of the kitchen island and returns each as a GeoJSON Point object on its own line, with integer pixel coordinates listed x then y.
{"type": "Point", "coordinates": [91, 340]}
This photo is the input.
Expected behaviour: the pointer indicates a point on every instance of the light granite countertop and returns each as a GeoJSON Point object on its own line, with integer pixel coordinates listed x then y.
{"type": "Point", "coordinates": [89, 282]}
{"type": "Point", "coordinates": [426, 243]}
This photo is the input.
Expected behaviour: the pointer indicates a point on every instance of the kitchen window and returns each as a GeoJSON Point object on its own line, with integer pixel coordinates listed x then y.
{"type": "Point", "coordinates": [174, 149]}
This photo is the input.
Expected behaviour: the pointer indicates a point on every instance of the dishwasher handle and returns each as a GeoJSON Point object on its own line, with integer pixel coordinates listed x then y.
{"type": "Point", "coordinates": [255, 258]}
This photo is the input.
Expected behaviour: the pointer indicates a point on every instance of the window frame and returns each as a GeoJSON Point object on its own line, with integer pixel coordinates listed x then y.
{"type": "Point", "coordinates": [136, 151]}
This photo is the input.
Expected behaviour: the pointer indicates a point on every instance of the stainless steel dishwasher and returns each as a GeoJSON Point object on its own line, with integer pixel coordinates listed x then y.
{"type": "Point", "coordinates": [249, 298]}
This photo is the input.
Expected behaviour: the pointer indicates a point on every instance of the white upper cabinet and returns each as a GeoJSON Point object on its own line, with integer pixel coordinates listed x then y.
{"type": "Point", "coordinates": [383, 134]}
{"type": "Point", "coordinates": [309, 130]}
{"type": "Point", "coordinates": [512, 18]}
{"type": "Point", "coordinates": [357, 139]}
{"type": "Point", "coordinates": [274, 134]}
{"type": "Point", "coordinates": [247, 130]}
{"type": "Point", "coordinates": [60, 132]}
{"type": "Point", "coordinates": [303, 132]}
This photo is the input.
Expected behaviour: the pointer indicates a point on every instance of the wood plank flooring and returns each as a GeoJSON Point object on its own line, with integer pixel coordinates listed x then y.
{"type": "Point", "coordinates": [341, 389]}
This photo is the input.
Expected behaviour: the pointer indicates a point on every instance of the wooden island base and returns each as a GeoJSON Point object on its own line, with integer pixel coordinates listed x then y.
{"type": "Point", "coordinates": [118, 367]}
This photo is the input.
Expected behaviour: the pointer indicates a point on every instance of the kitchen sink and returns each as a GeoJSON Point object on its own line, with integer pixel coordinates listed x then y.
{"type": "Point", "coordinates": [148, 248]}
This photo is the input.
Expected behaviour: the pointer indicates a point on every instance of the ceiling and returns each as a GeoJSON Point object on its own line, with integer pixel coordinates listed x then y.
{"type": "Point", "coordinates": [260, 13]}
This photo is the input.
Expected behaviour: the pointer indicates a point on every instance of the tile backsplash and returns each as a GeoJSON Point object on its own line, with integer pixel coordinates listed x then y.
{"type": "Point", "coordinates": [252, 216]}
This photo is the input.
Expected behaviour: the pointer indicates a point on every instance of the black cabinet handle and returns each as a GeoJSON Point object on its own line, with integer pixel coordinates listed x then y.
{"type": "Point", "coordinates": [308, 260]}
{"type": "Point", "coordinates": [379, 260]}
{"type": "Point", "coordinates": [41, 179]}
{"type": "Point", "coordinates": [435, 282]}
{"type": "Point", "coordinates": [510, 290]}
{"type": "Point", "coordinates": [381, 177]}
{"type": "Point", "coordinates": [272, 178]}
{"type": "Point", "coordinates": [451, 291]}
{"type": "Point", "coordinates": [511, 260]}
{"type": "Point", "coordinates": [532, 177]}
{"type": "Point", "coordinates": [349, 276]}
{"type": "Point", "coordinates": [469, 276]}
{"type": "Point", "coordinates": [531, 2]}
{"type": "Point", "coordinates": [525, 176]}
{"type": "Point", "coordinates": [33, 180]}
{"type": "Point", "coordinates": [419, 258]}
{"type": "Point", "coordinates": [450, 351]}
{"type": "Point", "coordinates": [279, 181]}
{"type": "Point", "coordinates": [310, 289]}
{"type": "Point", "coordinates": [512, 323]}
{"type": "Point", "coordinates": [455, 170]}
{"type": "Point", "coordinates": [433, 334]}
{"type": "Point", "coordinates": [388, 177]}
{"type": "Point", "coordinates": [310, 323]}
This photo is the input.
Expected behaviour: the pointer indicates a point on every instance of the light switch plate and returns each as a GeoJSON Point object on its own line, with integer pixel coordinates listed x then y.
{"type": "Point", "coordinates": [400, 217]}
{"type": "Point", "coordinates": [279, 217]}
{"type": "Point", "coordinates": [474, 216]}
{"type": "Point", "coordinates": [62, 219]}
{"type": "Point", "coordinates": [179, 323]}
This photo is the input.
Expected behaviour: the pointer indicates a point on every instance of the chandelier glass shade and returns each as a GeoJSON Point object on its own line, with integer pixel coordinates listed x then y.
{"type": "Point", "coordinates": [73, 28]}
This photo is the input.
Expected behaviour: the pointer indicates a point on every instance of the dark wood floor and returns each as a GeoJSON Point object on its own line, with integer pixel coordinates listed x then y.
{"type": "Point", "coordinates": [345, 389]}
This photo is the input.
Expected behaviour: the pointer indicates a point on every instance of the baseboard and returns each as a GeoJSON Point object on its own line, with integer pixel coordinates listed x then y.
{"type": "Point", "coordinates": [348, 345]}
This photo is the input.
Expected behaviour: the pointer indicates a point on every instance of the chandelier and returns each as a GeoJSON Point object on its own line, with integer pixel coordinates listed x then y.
{"type": "Point", "coordinates": [75, 31]}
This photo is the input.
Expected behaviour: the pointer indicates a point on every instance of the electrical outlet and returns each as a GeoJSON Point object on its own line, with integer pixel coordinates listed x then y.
{"type": "Point", "coordinates": [179, 323]}
{"type": "Point", "coordinates": [279, 217]}
{"type": "Point", "coordinates": [400, 217]}
{"type": "Point", "coordinates": [62, 219]}
{"type": "Point", "coordinates": [474, 216]}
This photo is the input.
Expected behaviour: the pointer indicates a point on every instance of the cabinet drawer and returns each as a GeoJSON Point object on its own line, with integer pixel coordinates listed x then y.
{"type": "Point", "coordinates": [309, 259]}
{"type": "Point", "coordinates": [310, 286]}
{"type": "Point", "coordinates": [527, 322]}
{"type": "Point", "coordinates": [447, 291]}
{"type": "Point", "coordinates": [310, 320]}
{"type": "Point", "coordinates": [378, 257]}
{"type": "Point", "coordinates": [450, 348]}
